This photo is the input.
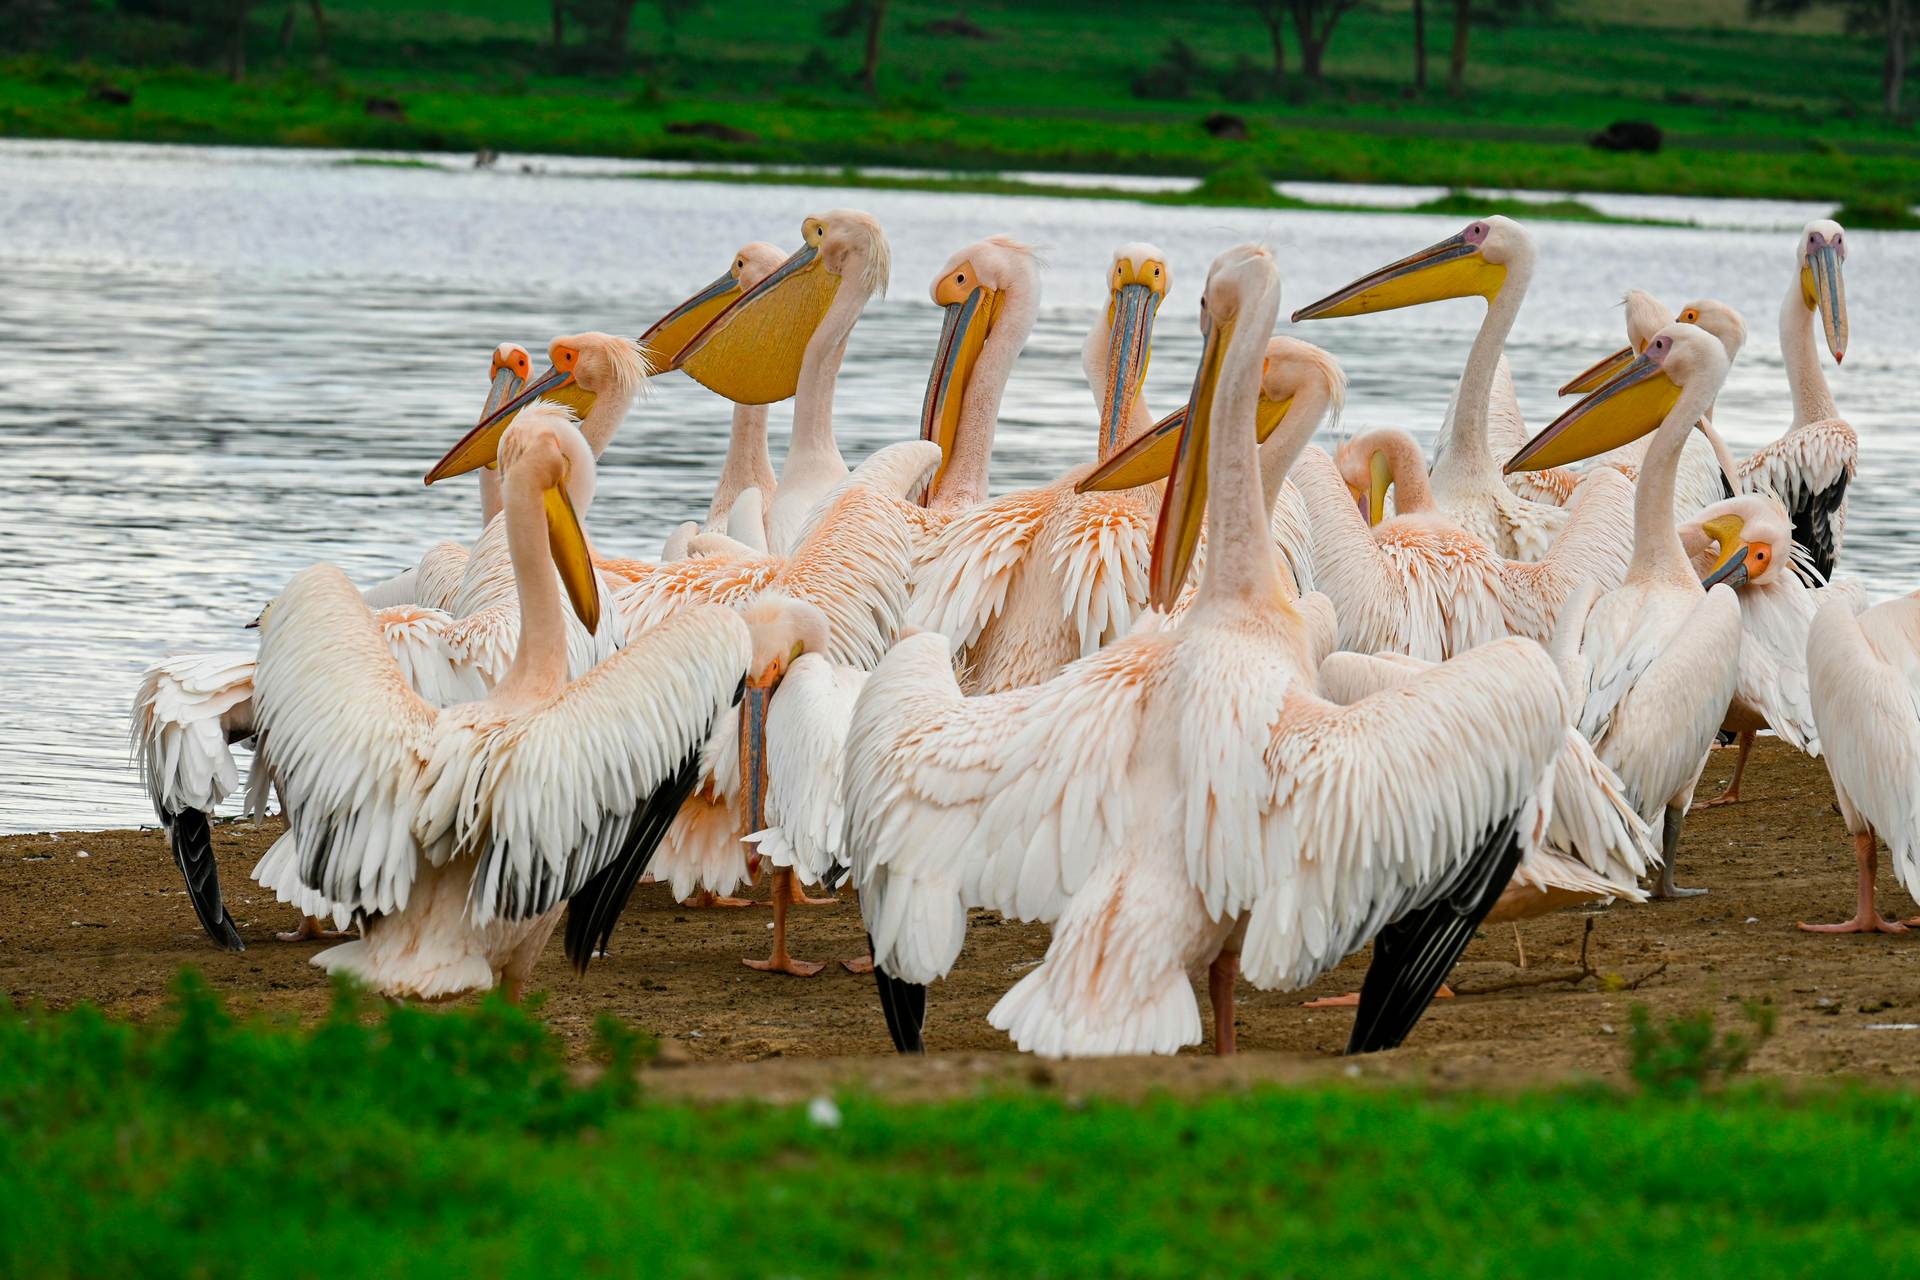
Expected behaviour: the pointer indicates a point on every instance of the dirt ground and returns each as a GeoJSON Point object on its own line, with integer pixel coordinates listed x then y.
{"type": "Point", "coordinates": [102, 916]}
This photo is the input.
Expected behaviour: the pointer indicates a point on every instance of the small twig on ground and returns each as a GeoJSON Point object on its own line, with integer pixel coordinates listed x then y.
{"type": "Point", "coordinates": [1572, 977]}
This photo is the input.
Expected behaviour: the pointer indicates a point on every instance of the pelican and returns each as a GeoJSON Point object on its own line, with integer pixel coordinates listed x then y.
{"type": "Point", "coordinates": [1492, 259]}
{"type": "Point", "coordinates": [462, 833]}
{"type": "Point", "coordinates": [1707, 470]}
{"type": "Point", "coordinates": [1863, 675]}
{"type": "Point", "coordinates": [750, 353]}
{"type": "Point", "coordinates": [1421, 585]}
{"type": "Point", "coordinates": [1653, 662]}
{"type": "Point", "coordinates": [1183, 798]}
{"type": "Point", "coordinates": [1747, 543]}
{"type": "Point", "coordinates": [1810, 466]}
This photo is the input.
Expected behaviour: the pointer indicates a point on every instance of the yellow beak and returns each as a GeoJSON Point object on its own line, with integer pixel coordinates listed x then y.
{"type": "Point", "coordinates": [1620, 412]}
{"type": "Point", "coordinates": [1184, 505]}
{"type": "Point", "coordinates": [751, 352]}
{"type": "Point", "coordinates": [667, 341]}
{"type": "Point", "coordinates": [1150, 458]}
{"type": "Point", "coordinates": [962, 335]}
{"type": "Point", "coordinates": [568, 542]}
{"type": "Point", "coordinates": [480, 447]}
{"type": "Point", "coordinates": [1454, 268]}
{"type": "Point", "coordinates": [1599, 373]}
{"type": "Point", "coordinates": [1380, 479]}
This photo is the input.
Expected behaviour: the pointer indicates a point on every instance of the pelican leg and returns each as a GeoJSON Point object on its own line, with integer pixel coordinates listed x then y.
{"type": "Point", "coordinates": [1732, 794]}
{"type": "Point", "coordinates": [796, 893]}
{"type": "Point", "coordinates": [1220, 977]}
{"type": "Point", "coordinates": [708, 898]}
{"type": "Point", "coordinates": [780, 961]}
{"type": "Point", "coordinates": [312, 929]}
{"type": "Point", "coordinates": [1669, 846]}
{"type": "Point", "coordinates": [1866, 917]}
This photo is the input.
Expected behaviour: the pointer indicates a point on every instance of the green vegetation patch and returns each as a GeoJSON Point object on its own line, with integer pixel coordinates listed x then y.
{"type": "Point", "coordinates": [457, 1142]}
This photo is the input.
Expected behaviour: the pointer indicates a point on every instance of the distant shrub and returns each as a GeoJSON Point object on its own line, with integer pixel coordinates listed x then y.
{"type": "Point", "coordinates": [1687, 1055]}
{"type": "Point", "coordinates": [1245, 81]}
{"type": "Point", "coordinates": [1171, 78]}
{"type": "Point", "coordinates": [1878, 213]}
{"type": "Point", "coordinates": [1243, 182]}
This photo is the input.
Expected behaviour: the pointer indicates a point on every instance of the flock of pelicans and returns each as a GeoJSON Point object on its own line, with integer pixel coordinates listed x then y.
{"type": "Point", "coordinates": [1213, 698]}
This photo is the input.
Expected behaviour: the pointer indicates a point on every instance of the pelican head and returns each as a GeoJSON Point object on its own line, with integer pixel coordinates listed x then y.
{"type": "Point", "coordinates": [1720, 320]}
{"type": "Point", "coordinates": [972, 289]}
{"type": "Point", "coordinates": [1646, 316]}
{"type": "Point", "coordinates": [752, 351]}
{"type": "Point", "coordinates": [1630, 404]}
{"type": "Point", "coordinates": [543, 450]}
{"type": "Point", "coordinates": [1472, 263]}
{"type": "Point", "coordinates": [1137, 281]}
{"type": "Point", "coordinates": [1366, 463]}
{"type": "Point", "coordinates": [781, 629]}
{"type": "Point", "coordinates": [1738, 540]}
{"type": "Point", "coordinates": [509, 372]}
{"type": "Point", "coordinates": [1820, 251]}
{"type": "Point", "coordinates": [580, 369]}
{"type": "Point", "coordinates": [666, 342]}
{"type": "Point", "coordinates": [1237, 307]}
{"type": "Point", "coordinates": [1291, 368]}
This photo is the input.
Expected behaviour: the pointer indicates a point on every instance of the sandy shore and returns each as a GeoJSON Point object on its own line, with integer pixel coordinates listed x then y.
{"type": "Point", "coordinates": [102, 916]}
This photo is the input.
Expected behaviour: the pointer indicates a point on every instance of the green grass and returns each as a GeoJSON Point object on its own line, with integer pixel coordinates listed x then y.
{"type": "Point", "coordinates": [458, 1143]}
{"type": "Point", "coordinates": [1749, 110]}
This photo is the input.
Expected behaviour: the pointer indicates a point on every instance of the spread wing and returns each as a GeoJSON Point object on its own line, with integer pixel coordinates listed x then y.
{"type": "Point", "coordinates": [807, 725]}
{"type": "Point", "coordinates": [1100, 552]}
{"type": "Point", "coordinates": [959, 585]}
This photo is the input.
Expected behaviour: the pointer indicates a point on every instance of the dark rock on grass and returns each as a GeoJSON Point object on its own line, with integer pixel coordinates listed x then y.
{"type": "Point", "coordinates": [1628, 135]}
{"type": "Point", "coordinates": [959, 27]}
{"type": "Point", "coordinates": [1224, 124]}
{"type": "Point", "coordinates": [385, 109]}
{"type": "Point", "coordinates": [710, 129]}
{"type": "Point", "coordinates": [111, 94]}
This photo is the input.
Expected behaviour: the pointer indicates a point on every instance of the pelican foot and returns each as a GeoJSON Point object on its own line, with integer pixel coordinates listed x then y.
{"type": "Point", "coordinates": [863, 965]}
{"type": "Point", "coordinates": [312, 930]}
{"type": "Point", "coordinates": [707, 898]}
{"type": "Point", "coordinates": [1352, 998]}
{"type": "Point", "coordinates": [1874, 923]}
{"type": "Point", "coordinates": [1730, 796]}
{"type": "Point", "coordinates": [779, 963]}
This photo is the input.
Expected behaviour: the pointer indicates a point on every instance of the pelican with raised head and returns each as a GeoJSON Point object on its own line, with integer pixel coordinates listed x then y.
{"type": "Point", "coordinates": [1653, 662]}
{"type": "Point", "coordinates": [1183, 798]}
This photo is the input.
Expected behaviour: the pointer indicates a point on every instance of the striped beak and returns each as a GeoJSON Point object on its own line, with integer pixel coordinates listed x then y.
{"type": "Point", "coordinates": [1825, 290]}
{"type": "Point", "coordinates": [1137, 293]}
{"type": "Point", "coordinates": [970, 314]}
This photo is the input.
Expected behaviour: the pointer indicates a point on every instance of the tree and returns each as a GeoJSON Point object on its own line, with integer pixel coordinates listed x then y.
{"type": "Point", "coordinates": [1273, 15]}
{"type": "Point", "coordinates": [855, 15]}
{"type": "Point", "coordinates": [1464, 13]}
{"type": "Point", "coordinates": [1420, 45]}
{"type": "Point", "coordinates": [1893, 21]}
{"type": "Point", "coordinates": [1313, 23]}
{"type": "Point", "coordinates": [559, 24]}
{"type": "Point", "coordinates": [607, 23]}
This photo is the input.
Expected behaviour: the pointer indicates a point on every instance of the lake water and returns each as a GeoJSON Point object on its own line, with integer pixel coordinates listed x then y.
{"type": "Point", "coordinates": [220, 365]}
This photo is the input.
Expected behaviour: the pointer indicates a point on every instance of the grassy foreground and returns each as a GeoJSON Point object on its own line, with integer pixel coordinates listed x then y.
{"type": "Point", "coordinates": [1761, 111]}
{"type": "Point", "coordinates": [459, 1143]}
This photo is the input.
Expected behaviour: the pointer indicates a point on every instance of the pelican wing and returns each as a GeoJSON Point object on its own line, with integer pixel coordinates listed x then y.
{"type": "Point", "coordinates": [853, 565]}
{"type": "Point", "coordinates": [433, 582]}
{"type": "Point", "coordinates": [1809, 469]}
{"type": "Point", "coordinates": [1004, 801]}
{"type": "Point", "coordinates": [960, 582]}
{"type": "Point", "coordinates": [1391, 806]}
{"type": "Point", "coordinates": [1865, 675]}
{"type": "Point", "coordinates": [1595, 546]}
{"type": "Point", "coordinates": [807, 726]}
{"type": "Point", "coordinates": [347, 739]}
{"type": "Point", "coordinates": [185, 712]}
{"type": "Point", "coordinates": [549, 800]}
{"type": "Point", "coordinates": [1773, 657]}
{"type": "Point", "coordinates": [1100, 552]}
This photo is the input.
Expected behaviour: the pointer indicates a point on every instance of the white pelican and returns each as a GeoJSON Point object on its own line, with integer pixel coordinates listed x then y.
{"type": "Point", "coordinates": [460, 833]}
{"type": "Point", "coordinates": [1654, 662]}
{"type": "Point", "coordinates": [1492, 259]}
{"type": "Point", "coordinates": [1183, 797]}
{"type": "Point", "coordinates": [990, 293]}
{"type": "Point", "coordinates": [1417, 583]}
{"type": "Point", "coordinates": [1863, 673]}
{"type": "Point", "coordinates": [752, 353]}
{"type": "Point", "coordinates": [1746, 542]}
{"type": "Point", "coordinates": [1810, 466]}
{"type": "Point", "coordinates": [1707, 471]}
{"type": "Point", "coordinates": [1027, 582]}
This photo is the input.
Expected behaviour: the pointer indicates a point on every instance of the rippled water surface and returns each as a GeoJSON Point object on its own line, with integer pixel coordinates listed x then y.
{"type": "Point", "coordinates": [217, 366]}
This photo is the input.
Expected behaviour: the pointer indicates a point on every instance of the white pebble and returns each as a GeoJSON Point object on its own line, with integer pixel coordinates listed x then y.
{"type": "Point", "coordinates": [823, 1114]}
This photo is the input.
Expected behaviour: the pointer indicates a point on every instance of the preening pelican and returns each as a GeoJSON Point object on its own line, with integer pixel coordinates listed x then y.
{"type": "Point", "coordinates": [1184, 797]}
{"type": "Point", "coordinates": [1492, 259]}
{"type": "Point", "coordinates": [786, 337]}
{"type": "Point", "coordinates": [1810, 466]}
{"type": "Point", "coordinates": [1032, 580]}
{"type": "Point", "coordinates": [461, 833]}
{"type": "Point", "coordinates": [1654, 662]}
{"type": "Point", "coordinates": [1418, 583]}
{"type": "Point", "coordinates": [1747, 543]}
{"type": "Point", "coordinates": [1863, 674]}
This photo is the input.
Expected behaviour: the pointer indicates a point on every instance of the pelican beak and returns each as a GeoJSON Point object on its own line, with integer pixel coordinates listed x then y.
{"type": "Point", "coordinates": [480, 447]}
{"type": "Point", "coordinates": [568, 542]}
{"type": "Point", "coordinates": [970, 314]}
{"type": "Point", "coordinates": [1150, 458]}
{"type": "Point", "coordinates": [667, 341]}
{"type": "Point", "coordinates": [1137, 293]}
{"type": "Point", "coordinates": [1599, 373]}
{"type": "Point", "coordinates": [1620, 412]}
{"type": "Point", "coordinates": [751, 352]}
{"type": "Point", "coordinates": [758, 696]}
{"type": "Point", "coordinates": [1825, 290]}
{"type": "Point", "coordinates": [1379, 479]}
{"type": "Point", "coordinates": [1454, 268]}
{"type": "Point", "coordinates": [1184, 505]}
{"type": "Point", "coordinates": [1732, 567]}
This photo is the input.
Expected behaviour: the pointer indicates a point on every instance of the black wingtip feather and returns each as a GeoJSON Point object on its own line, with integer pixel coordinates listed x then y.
{"type": "Point", "coordinates": [1814, 518]}
{"type": "Point", "coordinates": [191, 836]}
{"type": "Point", "coordinates": [595, 909]}
{"type": "Point", "coordinates": [905, 1007]}
{"type": "Point", "coordinates": [1413, 955]}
